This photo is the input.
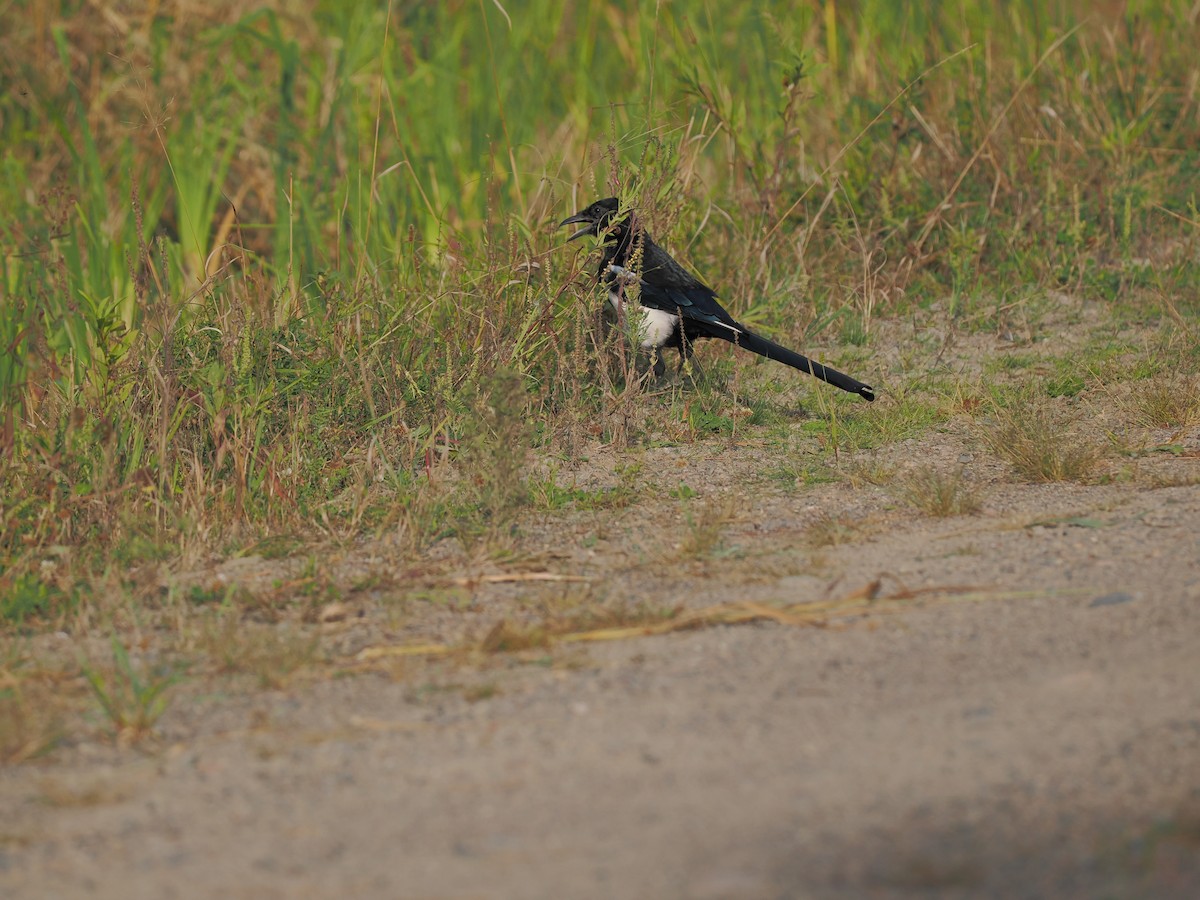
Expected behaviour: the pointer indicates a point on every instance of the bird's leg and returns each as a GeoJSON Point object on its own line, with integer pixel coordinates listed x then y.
{"type": "Point", "coordinates": [650, 362]}
{"type": "Point", "coordinates": [660, 364]}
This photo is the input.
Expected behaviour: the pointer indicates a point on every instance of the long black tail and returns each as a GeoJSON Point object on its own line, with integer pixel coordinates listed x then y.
{"type": "Point", "coordinates": [771, 350]}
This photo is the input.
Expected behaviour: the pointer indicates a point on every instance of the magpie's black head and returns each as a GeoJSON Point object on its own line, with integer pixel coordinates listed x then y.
{"type": "Point", "coordinates": [596, 219]}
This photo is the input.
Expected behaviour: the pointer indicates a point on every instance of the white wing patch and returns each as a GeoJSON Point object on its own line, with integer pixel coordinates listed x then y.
{"type": "Point", "coordinates": [730, 327]}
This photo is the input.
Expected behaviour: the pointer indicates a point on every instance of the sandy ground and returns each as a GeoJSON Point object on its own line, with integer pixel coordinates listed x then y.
{"type": "Point", "coordinates": [1023, 722]}
{"type": "Point", "coordinates": [1010, 745]}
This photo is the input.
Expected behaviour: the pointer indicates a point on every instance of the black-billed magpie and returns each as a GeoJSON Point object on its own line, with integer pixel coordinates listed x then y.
{"type": "Point", "coordinates": [678, 308]}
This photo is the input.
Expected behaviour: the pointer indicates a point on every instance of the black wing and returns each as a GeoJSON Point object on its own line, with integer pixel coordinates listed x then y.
{"type": "Point", "coordinates": [668, 286]}
{"type": "Point", "coordinates": [696, 303]}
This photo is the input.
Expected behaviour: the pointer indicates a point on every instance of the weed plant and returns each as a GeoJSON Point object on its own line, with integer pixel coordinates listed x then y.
{"type": "Point", "coordinates": [132, 700]}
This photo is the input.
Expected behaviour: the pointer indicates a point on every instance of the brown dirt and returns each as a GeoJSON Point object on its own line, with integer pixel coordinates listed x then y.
{"type": "Point", "coordinates": [1017, 716]}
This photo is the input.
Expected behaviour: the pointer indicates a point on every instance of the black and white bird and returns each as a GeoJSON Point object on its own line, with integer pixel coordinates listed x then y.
{"type": "Point", "coordinates": [677, 308]}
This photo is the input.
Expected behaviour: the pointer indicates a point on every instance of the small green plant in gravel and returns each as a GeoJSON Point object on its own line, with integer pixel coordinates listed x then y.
{"type": "Point", "coordinates": [131, 699]}
{"type": "Point", "coordinates": [546, 494]}
{"type": "Point", "coordinates": [26, 597]}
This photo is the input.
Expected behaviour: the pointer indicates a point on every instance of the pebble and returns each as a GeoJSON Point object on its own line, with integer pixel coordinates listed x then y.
{"type": "Point", "coordinates": [1111, 599]}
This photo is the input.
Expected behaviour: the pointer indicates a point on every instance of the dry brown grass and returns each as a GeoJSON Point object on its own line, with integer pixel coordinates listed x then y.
{"type": "Point", "coordinates": [704, 522]}
{"type": "Point", "coordinates": [31, 718]}
{"type": "Point", "coordinates": [270, 653]}
{"type": "Point", "coordinates": [866, 470]}
{"type": "Point", "coordinates": [1041, 443]}
{"type": "Point", "coordinates": [939, 493]}
{"type": "Point", "coordinates": [1172, 403]}
{"type": "Point", "coordinates": [831, 531]}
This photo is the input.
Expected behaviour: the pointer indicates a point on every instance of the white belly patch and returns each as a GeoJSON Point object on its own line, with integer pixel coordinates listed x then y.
{"type": "Point", "coordinates": [654, 327]}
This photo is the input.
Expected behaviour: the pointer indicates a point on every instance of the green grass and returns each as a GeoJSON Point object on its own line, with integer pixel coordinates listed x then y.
{"type": "Point", "coordinates": [267, 275]}
{"type": "Point", "coordinates": [132, 700]}
{"type": "Point", "coordinates": [550, 496]}
{"type": "Point", "coordinates": [28, 597]}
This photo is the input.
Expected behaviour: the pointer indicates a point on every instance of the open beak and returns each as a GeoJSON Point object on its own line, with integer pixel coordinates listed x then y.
{"type": "Point", "coordinates": [589, 225]}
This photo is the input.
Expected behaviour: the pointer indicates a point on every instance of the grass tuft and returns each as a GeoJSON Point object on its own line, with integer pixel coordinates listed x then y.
{"type": "Point", "coordinates": [1032, 436]}
{"type": "Point", "coordinates": [703, 524]}
{"type": "Point", "coordinates": [131, 698]}
{"type": "Point", "coordinates": [939, 493]}
{"type": "Point", "coordinates": [1169, 403]}
{"type": "Point", "coordinates": [31, 711]}
{"type": "Point", "coordinates": [833, 531]}
{"type": "Point", "coordinates": [271, 654]}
